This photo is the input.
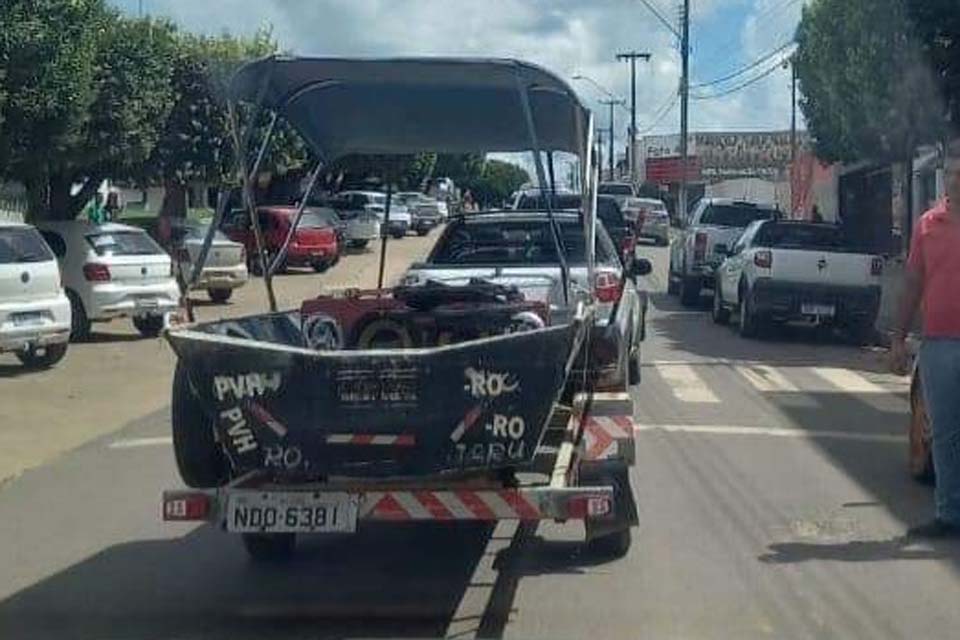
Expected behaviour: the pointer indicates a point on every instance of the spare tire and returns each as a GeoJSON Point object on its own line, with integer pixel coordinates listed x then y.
{"type": "Point", "coordinates": [200, 460]}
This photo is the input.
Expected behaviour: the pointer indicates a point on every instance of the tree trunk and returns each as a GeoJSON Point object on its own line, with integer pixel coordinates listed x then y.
{"type": "Point", "coordinates": [60, 201]}
{"type": "Point", "coordinates": [79, 201]}
{"type": "Point", "coordinates": [37, 203]}
{"type": "Point", "coordinates": [174, 200]}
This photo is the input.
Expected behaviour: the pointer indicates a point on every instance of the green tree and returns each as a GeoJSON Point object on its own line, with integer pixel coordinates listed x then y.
{"type": "Point", "coordinates": [498, 180]}
{"type": "Point", "coordinates": [937, 25]}
{"type": "Point", "coordinates": [88, 91]}
{"type": "Point", "coordinates": [867, 92]}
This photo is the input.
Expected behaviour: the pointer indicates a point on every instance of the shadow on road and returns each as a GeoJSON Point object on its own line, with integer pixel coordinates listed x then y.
{"type": "Point", "coordinates": [405, 583]}
{"type": "Point", "coordinates": [854, 551]}
{"type": "Point", "coordinates": [692, 330]}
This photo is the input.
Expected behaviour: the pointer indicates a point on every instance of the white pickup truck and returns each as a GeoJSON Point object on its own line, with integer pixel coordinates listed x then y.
{"type": "Point", "coordinates": [713, 227]}
{"type": "Point", "coordinates": [792, 271]}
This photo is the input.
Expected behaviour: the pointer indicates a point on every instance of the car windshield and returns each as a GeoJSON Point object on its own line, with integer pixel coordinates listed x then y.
{"type": "Point", "coordinates": [732, 215]}
{"type": "Point", "coordinates": [123, 243]}
{"type": "Point", "coordinates": [20, 245]}
{"type": "Point", "coordinates": [199, 232]}
{"type": "Point", "coordinates": [314, 219]}
{"type": "Point", "coordinates": [513, 243]}
{"type": "Point", "coordinates": [801, 236]}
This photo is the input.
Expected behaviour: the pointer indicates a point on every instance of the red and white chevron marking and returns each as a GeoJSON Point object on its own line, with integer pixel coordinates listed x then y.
{"type": "Point", "coordinates": [601, 434]}
{"type": "Point", "coordinates": [264, 417]}
{"type": "Point", "coordinates": [372, 439]}
{"type": "Point", "coordinates": [505, 504]}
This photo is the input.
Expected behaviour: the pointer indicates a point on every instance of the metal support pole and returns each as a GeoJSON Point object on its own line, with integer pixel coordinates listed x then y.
{"type": "Point", "coordinates": [611, 102]}
{"type": "Point", "coordinates": [301, 207]}
{"type": "Point", "coordinates": [384, 235]}
{"type": "Point", "coordinates": [633, 56]}
{"type": "Point", "coordinates": [684, 104]}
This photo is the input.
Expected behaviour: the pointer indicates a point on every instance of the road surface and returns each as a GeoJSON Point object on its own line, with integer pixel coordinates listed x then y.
{"type": "Point", "coordinates": [773, 495]}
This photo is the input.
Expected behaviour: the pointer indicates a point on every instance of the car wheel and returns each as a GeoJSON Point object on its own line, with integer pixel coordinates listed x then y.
{"type": "Point", "coordinates": [633, 369]}
{"type": "Point", "coordinates": [320, 266]}
{"type": "Point", "coordinates": [359, 244]}
{"type": "Point", "coordinates": [422, 232]}
{"type": "Point", "coordinates": [200, 459]}
{"type": "Point", "coordinates": [689, 291]}
{"type": "Point", "coordinates": [397, 235]}
{"type": "Point", "coordinates": [861, 333]}
{"type": "Point", "coordinates": [42, 357]}
{"type": "Point", "coordinates": [253, 265]}
{"type": "Point", "coordinates": [721, 314]}
{"type": "Point", "coordinates": [749, 323]}
{"type": "Point", "coordinates": [921, 456]}
{"type": "Point", "coordinates": [270, 547]}
{"type": "Point", "coordinates": [149, 326]}
{"type": "Point", "coordinates": [79, 322]}
{"type": "Point", "coordinates": [219, 295]}
{"type": "Point", "coordinates": [611, 546]}
{"type": "Point", "coordinates": [673, 284]}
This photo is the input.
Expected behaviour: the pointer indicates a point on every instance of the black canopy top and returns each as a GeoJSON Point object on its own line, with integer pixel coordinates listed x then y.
{"type": "Point", "coordinates": [410, 105]}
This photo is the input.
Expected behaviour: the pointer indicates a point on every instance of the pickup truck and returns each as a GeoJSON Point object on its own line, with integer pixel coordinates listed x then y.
{"type": "Point", "coordinates": [789, 271]}
{"type": "Point", "coordinates": [714, 226]}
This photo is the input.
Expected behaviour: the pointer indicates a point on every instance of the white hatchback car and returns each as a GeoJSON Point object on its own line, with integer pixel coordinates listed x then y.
{"type": "Point", "coordinates": [34, 312]}
{"type": "Point", "coordinates": [110, 271]}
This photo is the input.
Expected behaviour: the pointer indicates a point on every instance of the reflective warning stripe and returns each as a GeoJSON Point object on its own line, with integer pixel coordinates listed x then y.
{"type": "Point", "coordinates": [374, 439]}
{"type": "Point", "coordinates": [507, 504]}
{"type": "Point", "coordinates": [601, 434]}
{"type": "Point", "coordinates": [264, 416]}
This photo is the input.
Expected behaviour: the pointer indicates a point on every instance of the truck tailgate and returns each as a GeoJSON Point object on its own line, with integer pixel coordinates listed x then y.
{"type": "Point", "coordinates": [806, 266]}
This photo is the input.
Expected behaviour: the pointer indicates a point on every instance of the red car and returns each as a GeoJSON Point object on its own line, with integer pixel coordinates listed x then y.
{"type": "Point", "coordinates": [314, 243]}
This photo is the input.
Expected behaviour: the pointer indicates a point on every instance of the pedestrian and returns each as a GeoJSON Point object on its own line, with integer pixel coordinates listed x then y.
{"type": "Point", "coordinates": [113, 207]}
{"type": "Point", "coordinates": [95, 210]}
{"type": "Point", "coordinates": [932, 279]}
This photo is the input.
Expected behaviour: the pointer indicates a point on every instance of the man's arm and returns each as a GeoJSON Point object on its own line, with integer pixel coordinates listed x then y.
{"type": "Point", "coordinates": [910, 297]}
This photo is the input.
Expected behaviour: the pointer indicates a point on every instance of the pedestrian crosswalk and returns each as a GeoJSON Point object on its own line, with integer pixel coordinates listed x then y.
{"type": "Point", "coordinates": [713, 382]}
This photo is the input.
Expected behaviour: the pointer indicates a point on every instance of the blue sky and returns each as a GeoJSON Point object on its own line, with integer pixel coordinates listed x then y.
{"type": "Point", "coordinates": [567, 36]}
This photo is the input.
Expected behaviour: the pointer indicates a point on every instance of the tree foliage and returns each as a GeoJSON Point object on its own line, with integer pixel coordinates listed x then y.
{"type": "Point", "coordinates": [497, 181]}
{"type": "Point", "coordinates": [867, 90]}
{"type": "Point", "coordinates": [937, 25]}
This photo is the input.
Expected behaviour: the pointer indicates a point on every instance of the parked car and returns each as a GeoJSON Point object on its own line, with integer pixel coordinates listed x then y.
{"type": "Point", "coordinates": [714, 226]}
{"type": "Point", "coordinates": [424, 212]}
{"type": "Point", "coordinates": [314, 242]}
{"type": "Point", "coordinates": [225, 268]}
{"type": "Point", "coordinates": [376, 202]}
{"type": "Point", "coordinates": [34, 310]}
{"type": "Point", "coordinates": [788, 271]}
{"type": "Point", "coordinates": [651, 218]}
{"type": "Point", "coordinates": [112, 271]}
{"type": "Point", "coordinates": [360, 215]}
{"type": "Point", "coordinates": [622, 191]}
{"type": "Point", "coordinates": [507, 247]}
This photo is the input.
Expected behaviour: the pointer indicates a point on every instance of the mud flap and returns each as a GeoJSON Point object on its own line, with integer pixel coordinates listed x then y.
{"type": "Point", "coordinates": [625, 514]}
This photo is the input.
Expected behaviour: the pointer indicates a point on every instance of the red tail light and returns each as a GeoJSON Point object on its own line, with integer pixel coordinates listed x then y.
{"type": "Point", "coordinates": [763, 259]}
{"type": "Point", "coordinates": [607, 286]}
{"type": "Point", "coordinates": [876, 267]}
{"type": "Point", "coordinates": [96, 272]}
{"type": "Point", "coordinates": [699, 247]}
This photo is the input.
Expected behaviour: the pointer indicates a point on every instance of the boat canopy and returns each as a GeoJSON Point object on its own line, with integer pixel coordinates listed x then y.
{"type": "Point", "coordinates": [410, 105]}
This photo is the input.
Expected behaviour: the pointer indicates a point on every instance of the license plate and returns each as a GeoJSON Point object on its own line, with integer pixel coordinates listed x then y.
{"type": "Point", "coordinates": [292, 513]}
{"type": "Point", "coordinates": [818, 309]}
{"type": "Point", "coordinates": [27, 319]}
{"type": "Point", "coordinates": [147, 303]}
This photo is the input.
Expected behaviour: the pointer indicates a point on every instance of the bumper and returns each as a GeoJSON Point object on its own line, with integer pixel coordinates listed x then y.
{"type": "Point", "coordinates": [363, 232]}
{"type": "Point", "coordinates": [398, 227]}
{"type": "Point", "coordinates": [308, 256]}
{"type": "Point", "coordinates": [118, 300]}
{"type": "Point", "coordinates": [50, 326]}
{"type": "Point", "coordinates": [222, 277]}
{"type": "Point", "coordinates": [785, 301]}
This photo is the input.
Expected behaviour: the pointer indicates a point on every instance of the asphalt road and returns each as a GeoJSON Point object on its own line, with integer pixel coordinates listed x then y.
{"type": "Point", "coordinates": [770, 477]}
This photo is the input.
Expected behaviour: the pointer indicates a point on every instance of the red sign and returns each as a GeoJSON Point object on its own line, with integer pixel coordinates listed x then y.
{"type": "Point", "coordinates": [670, 170]}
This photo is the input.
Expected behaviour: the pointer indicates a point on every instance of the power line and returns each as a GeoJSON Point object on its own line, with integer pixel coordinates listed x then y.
{"type": "Point", "coordinates": [670, 106]}
{"type": "Point", "coordinates": [659, 16]}
{"type": "Point", "coordinates": [742, 85]}
{"type": "Point", "coordinates": [739, 72]}
{"type": "Point", "coordinates": [726, 46]}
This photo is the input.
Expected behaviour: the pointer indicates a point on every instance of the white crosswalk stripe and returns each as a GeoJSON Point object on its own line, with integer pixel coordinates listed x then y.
{"type": "Point", "coordinates": [766, 378]}
{"type": "Point", "coordinates": [866, 390]}
{"type": "Point", "coordinates": [685, 384]}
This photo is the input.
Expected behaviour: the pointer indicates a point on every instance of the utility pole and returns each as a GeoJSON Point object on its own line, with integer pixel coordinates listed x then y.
{"type": "Point", "coordinates": [600, 150]}
{"type": "Point", "coordinates": [684, 100]}
{"type": "Point", "coordinates": [633, 56]}
{"type": "Point", "coordinates": [793, 112]}
{"type": "Point", "coordinates": [611, 102]}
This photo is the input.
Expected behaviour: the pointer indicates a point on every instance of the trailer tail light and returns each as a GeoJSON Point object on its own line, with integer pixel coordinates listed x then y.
{"type": "Point", "coordinates": [186, 507]}
{"type": "Point", "coordinates": [876, 267]}
{"type": "Point", "coordinates": [96, 272]}
{"type": "Point", "coordinates": [763, 259]}
{"type": "Point", "coordinates": [607, 286]}
{"type": "Point", "coordinates": [699, 247]}
{"type": "Point", "coordinates": [589, 506]}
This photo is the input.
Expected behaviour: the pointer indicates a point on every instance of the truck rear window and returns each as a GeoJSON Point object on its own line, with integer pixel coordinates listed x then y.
{"type": "Point", "coordinates": [516, 243]}
{"type": "Point", "coordinates": [123, 243]}
{"type": "Point", "coordinates": [733, 215]}
{"type": "Point", "coordinates": [19, 245]}
{"type": "Point", "coordinates": [801, 236]}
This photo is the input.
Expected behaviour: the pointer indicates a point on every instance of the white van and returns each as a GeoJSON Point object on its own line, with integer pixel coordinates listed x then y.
{"type": "Point", "coordinates": [34, 312]}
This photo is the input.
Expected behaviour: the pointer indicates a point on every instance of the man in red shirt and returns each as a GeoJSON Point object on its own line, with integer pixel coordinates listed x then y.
{"type": "Point", "coordinates": [933, 279]}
